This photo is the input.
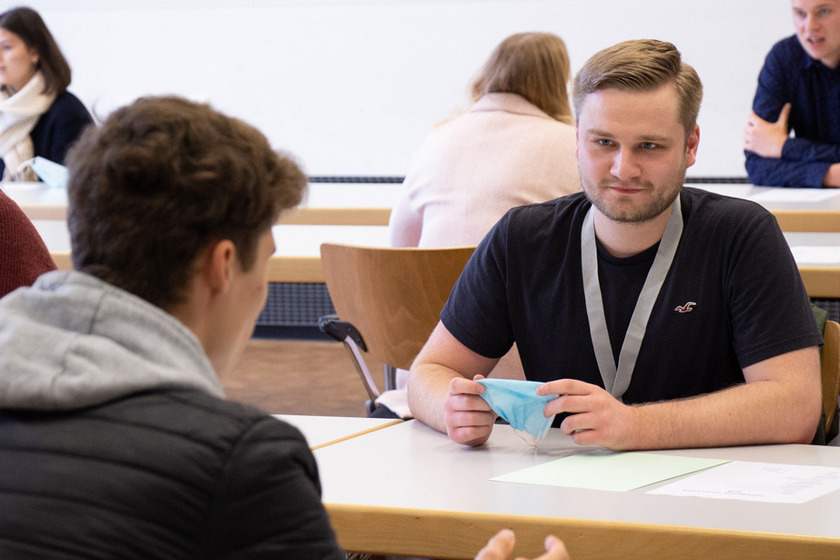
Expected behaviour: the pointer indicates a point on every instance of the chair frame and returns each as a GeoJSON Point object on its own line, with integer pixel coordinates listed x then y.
{"type": "Point", "coordinates": [388, 301]}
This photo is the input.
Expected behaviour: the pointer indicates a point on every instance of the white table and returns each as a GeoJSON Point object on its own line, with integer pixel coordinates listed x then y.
{"type": "Point", "coordinates": [37, 200]}
{"type": "Point", "coordinates": [795, 209]}
{"type": "Point", "coordinates": [297, 257]}
{"type": "Point", "coordinates": [351, 195]}
{"type": "Point", "coordinates": [321, 431]}
{"type": "Point", "coordinates": [423, 495]}
{"type": "Point", "coordinates": [371, 203]}
{"type": "Point", "coordinates": [324, 203]}
{"type": "Point", "coordinates": [817, 255]}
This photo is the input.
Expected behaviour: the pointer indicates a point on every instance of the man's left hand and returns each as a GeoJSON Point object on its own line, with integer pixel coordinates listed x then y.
{"type": "Point", "coordinates": [767, 138]}
{"type": "Point", "coordinates": [595, 416]}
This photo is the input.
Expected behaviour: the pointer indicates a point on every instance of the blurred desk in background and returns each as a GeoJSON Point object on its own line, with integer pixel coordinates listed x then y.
{"type": "Point", "coordinates": [324, 204]}
{"type": "Point", "coordinates": [298, 259]}
{"type": "Point", "coordinates": [298, 247]}
{"type": "Point", "coordinates": [815, 210]}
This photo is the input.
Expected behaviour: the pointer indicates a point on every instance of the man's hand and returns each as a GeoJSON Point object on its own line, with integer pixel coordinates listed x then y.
{"type": "Point", "coordinates": [596, 417]}
{"type": "Point", "coordinates": [832, 178]}
{"type": "Point", "coordinates": [469, 419]}
{"type": "Point", "coordinates": [500, 546]}
{"type": "Point", "coordinates": [767, 138]}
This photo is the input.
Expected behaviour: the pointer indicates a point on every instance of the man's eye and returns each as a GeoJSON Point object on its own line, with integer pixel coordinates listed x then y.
{"type": "Point", "coordinates": [649, 145]}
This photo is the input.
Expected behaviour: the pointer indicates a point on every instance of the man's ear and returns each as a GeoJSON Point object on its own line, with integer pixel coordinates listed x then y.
{"type": "Point", "coordinates": [691, 145]}
{"type": "Point", "coordinates": [217, 265]}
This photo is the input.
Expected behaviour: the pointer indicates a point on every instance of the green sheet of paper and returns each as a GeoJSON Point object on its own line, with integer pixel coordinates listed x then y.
{"type": "Point", "coordinates": [614, 471]}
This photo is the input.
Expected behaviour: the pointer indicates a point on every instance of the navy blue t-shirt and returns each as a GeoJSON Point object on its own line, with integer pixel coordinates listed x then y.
{"type": "Point", "coordinates": [790, 75]}
{"type": "Point", "coordinates": [732, 298]}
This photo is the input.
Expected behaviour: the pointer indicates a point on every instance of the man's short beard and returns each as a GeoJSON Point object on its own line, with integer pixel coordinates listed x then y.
{"type": "Point", "coordinates": [647, 213]}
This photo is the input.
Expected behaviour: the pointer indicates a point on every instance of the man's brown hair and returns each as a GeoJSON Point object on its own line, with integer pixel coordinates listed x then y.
{"type": "Point", "coordinates": [159, 181]}
{"type": "Point", "coordinates": [641, 65]}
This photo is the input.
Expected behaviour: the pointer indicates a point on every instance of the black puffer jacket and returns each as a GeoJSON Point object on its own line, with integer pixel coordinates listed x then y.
{"type": "Point", "coordinates": [116, 441]}
{"type": "Point", "coordinates": [168, 474]}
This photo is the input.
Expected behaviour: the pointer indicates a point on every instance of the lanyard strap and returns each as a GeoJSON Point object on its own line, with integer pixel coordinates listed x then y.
{"type": "Point", "coordinates": [617, 380]}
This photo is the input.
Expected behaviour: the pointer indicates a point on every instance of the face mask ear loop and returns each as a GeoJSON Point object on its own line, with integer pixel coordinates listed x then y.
{"type": "Point", "coordinates": [530, 439]}
{"type": "Point", "coordinates": [20, 172]}
{"type": "Point", "coordinates": [22, 167]}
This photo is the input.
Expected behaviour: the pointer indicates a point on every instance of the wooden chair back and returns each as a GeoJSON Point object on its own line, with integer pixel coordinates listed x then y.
{"type": "Point", "coordinates": [393, 296]}
{"type": "Point", "coordinates": [830, 365]}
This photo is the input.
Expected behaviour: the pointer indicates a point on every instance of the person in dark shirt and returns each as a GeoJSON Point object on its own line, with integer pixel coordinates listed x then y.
{"type": "Point", "coordinates": [654, 316]}
{"type": "Point", "coordinates": [38, 116]}
{"type": "Point", "coordinates": [799, 90]}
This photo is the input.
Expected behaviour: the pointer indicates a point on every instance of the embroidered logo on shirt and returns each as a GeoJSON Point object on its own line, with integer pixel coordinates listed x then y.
{"type": "Point", "coordinates": [687, 308]}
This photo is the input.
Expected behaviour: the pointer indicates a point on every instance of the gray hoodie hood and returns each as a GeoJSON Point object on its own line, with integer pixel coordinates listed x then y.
{"type": "Point", "coordinates": [72, 340]}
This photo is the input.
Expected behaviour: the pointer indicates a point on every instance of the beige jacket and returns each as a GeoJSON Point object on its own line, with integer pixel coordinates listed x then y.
{"type": "Point", "coordinates": [469, 171]}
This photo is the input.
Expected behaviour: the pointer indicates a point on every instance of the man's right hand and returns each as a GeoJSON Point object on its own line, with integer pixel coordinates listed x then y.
{"type": "Point", "coordinates": [469, 419]}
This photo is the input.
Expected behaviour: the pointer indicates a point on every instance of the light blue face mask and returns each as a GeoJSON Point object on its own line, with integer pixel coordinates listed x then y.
{"type": "Point", "coordinates": [517, 402]}
{"type": "Point", "coordinates": [51, 173]}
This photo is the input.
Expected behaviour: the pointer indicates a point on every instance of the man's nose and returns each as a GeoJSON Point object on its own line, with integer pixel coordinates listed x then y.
{"type": "Point", "coordinates": [624, 165]}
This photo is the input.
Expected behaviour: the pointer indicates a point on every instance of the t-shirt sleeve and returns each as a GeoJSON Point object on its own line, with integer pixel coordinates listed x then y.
{"type": "Point", "coordinates": [270, 500]}
{"type": "Point", "coordinates": [770, 310]}
{"type": "Point", "coordinates": [477, 310]}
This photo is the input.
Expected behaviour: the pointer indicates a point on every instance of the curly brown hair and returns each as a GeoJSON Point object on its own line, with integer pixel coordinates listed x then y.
{"type": "Point", "coordinates": [159, 181]}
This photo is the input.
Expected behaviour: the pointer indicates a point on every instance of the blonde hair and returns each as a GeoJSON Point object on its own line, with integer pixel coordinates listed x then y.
{"type": "Point", "coordinates": [532, 65]}
{"type": "Point", "coordinates": [641, 65]}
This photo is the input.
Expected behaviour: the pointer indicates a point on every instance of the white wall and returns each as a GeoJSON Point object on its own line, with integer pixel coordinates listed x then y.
{"type": "Point", "coordinates": [353, 86]}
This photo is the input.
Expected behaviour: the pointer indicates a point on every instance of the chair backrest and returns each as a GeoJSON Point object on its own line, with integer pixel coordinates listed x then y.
{"type": "Point", "coordinates": [830, 364]}
{"type": "Point", "coordinates": [393, 296]}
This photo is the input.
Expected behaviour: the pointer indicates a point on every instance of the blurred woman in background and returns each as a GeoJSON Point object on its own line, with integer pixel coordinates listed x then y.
{"type": "Point", "coordinates": [38, 116]}
{"type": "Point", "coordinates": [515, 146]}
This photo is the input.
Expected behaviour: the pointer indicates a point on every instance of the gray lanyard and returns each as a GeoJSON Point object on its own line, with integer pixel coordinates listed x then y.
{"type": "Point", "coordinates": [617, 380]}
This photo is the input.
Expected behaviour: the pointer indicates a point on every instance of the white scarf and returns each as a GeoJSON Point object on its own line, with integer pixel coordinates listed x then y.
{"type": "Point", "coordinates": [18, 115]}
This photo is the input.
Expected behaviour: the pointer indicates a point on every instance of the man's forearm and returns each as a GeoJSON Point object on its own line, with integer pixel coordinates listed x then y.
{"type": "Point", "coordinates": [751, 413]}
{"type": "Point", "coordinates": [428, 386]}
{"type": "Point", "coordinates": [442, 359]}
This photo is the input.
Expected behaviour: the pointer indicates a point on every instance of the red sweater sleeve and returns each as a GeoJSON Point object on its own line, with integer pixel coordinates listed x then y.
{"type": "Point", "coordinates": [23, 254]}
